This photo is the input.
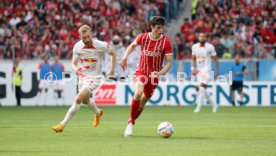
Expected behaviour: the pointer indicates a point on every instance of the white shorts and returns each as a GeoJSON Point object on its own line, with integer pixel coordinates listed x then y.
{"type": "Point", "coordinates": [59, 84]}
{"type": "Point", "coordinates": [44, 84]}
{"type": "Point", "coordinates": [203, 77]}
{"type": "Point", "coordinates": [91, 83]}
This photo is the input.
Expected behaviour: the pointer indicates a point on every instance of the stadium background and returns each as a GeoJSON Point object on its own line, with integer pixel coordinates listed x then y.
{"type": "Point", "coordinates": [32, 29]}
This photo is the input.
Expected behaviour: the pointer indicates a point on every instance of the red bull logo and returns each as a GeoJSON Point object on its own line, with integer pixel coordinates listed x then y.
{"type": "Point", "coordinates": [89, 60]}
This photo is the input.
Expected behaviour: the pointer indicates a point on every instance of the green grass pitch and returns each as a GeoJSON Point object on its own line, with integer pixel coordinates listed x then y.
{"type": "Point", "coordinates": [231, 131]}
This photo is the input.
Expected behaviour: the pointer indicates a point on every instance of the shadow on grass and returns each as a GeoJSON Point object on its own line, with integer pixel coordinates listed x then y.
{"type": "Point", "coordinates": [171, 138]}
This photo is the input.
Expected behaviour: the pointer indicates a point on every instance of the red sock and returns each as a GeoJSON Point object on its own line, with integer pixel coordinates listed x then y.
{"type": "Point", "coordinates": [138, 113]}
{"type": "Point", "coordinates": [135, 104]}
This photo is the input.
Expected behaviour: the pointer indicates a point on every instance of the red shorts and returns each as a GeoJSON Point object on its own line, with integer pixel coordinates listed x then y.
{"type": "Point", "coordinates": [149, 83]}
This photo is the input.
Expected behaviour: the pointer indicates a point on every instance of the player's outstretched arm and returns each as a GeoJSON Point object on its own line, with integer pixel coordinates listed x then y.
{"type": "Point", "coordinates": [113, 61]}
{"type": "Point", "coordinates": [193, 63]}
{"type": "Point", "coordinates": [74, 66]}
{"type": "Point", "coordinates": [215, 58]}
{"type": "Point", "coordinates": [129, 50]}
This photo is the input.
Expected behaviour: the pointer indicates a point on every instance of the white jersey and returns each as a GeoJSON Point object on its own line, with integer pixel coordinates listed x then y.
{"type": "Point", "coordinates": [203, 55]}
{"type": "Point", "coordinates": [91, 58]}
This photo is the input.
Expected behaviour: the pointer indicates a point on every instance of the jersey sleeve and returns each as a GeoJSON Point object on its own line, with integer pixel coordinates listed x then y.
{"type": "Point", "coordinates": [138, 39]}
{"type": "Point", "coordinates": [213, 51]}
{"type": "Point", "coordinates": [105, 47]}
{"type": "Point", "coordinates": [193, 50]}
{"type": "Point", "coordinates": [75, 54]}
{"type": "Point", "coordinates": [168, 47]}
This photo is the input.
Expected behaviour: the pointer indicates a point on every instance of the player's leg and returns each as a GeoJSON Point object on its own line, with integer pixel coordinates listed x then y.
{"type": "Point", "coordinates": [208, 97]}
{"type": "Point", "coordinates": [58, 90]}
{"type": "Point", "coordinates": [97, 112]}
{"type": "Point", "coordinates": [61, 85]}
{"type": "Point", "coordinates": [241, 94]}
{"type": "Point", "coordinates": [233, 88]}
{"type": "Point", "coordinates": [56, 96]}
{"type": "Point", "coordinates": [233, 97]}
{"type": "Point", "coordinates": [143, 102]}
{"type": "Point", "coordinates": [148, 92]}
{"type": "Point", "coordinates": [18, 95]}
{"type": "Point", "coordinates": [200, 97]}
{"type": "Point", "coordinates": [84, 92]}
{"type": "Point", "coordinates": [60, 96]}
{"type": "Point", "coordinates": [135, 104]}
{"type": "Point", "coordinates": [45, 97]}
{"type": "Point", "coordinates": [39, 93]}
{"type": "Point", "coordinates": [204, 79]}
{"type": "Point", "coordinates": [92, 105]}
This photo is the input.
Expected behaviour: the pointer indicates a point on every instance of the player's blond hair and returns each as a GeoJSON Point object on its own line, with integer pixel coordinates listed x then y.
{"type": "Point", "coordinates": [84, 29]}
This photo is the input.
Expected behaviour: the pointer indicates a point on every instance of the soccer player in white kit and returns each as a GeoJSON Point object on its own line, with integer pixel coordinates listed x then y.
{"type": "Point", "coordinates": [202, 52]}
{"type": "Point", "coordinates": [90, 53]}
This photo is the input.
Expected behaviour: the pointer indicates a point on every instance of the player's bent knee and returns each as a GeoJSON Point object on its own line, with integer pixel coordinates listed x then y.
{"type": "Point", "coordinates": [85, 100]}
{"type": "Point", "coordinates": [78, 99]}
{"type": "Point", "coordinates": [148, 95]}
{"type": "Point", "coordinates": [83, 96]}
{"type": "Point", "coordinates": [138, 95]}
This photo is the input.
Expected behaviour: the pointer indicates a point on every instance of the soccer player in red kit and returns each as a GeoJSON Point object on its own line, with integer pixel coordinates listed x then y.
{"type": "Point", "coordinates": [155, 46]}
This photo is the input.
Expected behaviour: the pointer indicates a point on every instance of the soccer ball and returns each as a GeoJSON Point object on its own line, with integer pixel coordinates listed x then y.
{"type": "Point", "coordinates": [165, 129]}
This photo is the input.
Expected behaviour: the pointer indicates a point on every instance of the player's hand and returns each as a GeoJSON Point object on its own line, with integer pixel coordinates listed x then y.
{"type": "Point", "coordinates": [156, 74]}
{"type": "Point", "coordinates": [124, 64]}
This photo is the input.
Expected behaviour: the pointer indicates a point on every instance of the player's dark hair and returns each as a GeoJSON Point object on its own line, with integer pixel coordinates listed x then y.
{"type": "Point", "coordinates": [157, 20]}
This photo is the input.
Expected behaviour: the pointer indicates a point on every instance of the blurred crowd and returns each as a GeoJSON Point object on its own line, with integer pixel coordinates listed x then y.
{"type": "Point", "coordinates": [32, 28]}
{"type": "Point", "coordinates": [246, 27]}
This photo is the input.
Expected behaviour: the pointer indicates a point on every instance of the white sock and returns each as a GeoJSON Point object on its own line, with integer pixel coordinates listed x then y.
{"type": "Point", "coordinates": [200, 98]}
{"type": "Point", "coordinates": [207, 96]}
{"type": "Point", "coordinates": [92, 106]}
{"type": "Point", "coordinates": [70, 113]}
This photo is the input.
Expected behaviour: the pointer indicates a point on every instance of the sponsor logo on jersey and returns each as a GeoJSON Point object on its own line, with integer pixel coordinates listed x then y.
{"type": "Point", "coordinates": [151, 53]}
{"type": "Point", "coordinates": [89, 60]}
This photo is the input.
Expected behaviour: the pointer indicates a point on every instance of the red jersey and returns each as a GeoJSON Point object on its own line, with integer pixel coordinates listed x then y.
{"type": "Point", "coordinates": [153, 52]}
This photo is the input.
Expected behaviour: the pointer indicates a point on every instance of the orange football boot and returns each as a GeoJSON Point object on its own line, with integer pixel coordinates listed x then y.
{"type": "Point", "coordinates": [58, 128]}
{"type": "Point", "coordinates": [97, 118]}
